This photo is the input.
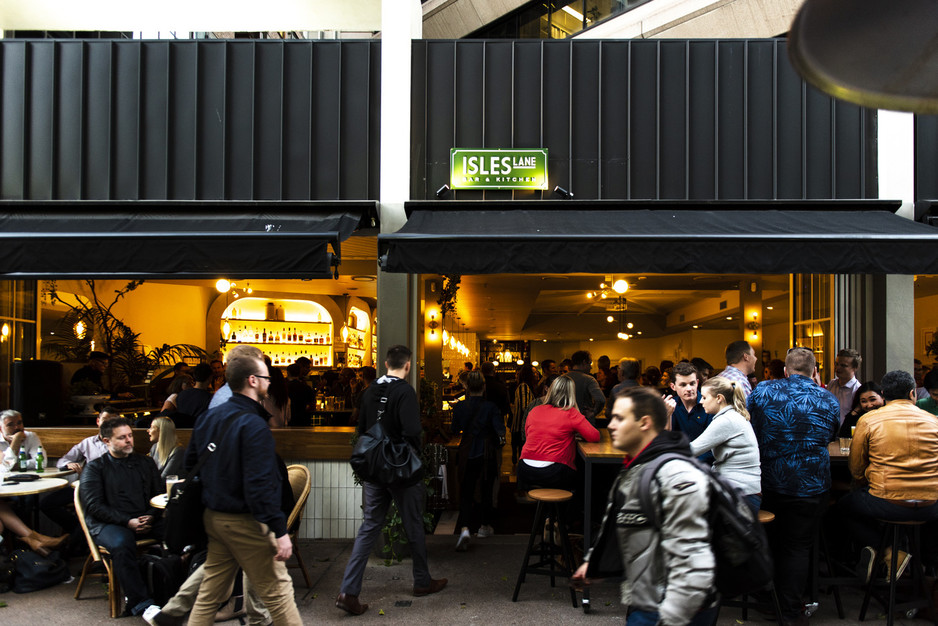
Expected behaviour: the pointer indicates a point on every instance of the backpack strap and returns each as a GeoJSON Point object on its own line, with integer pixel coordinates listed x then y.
{"type": "Point", "coordinates": [649, 473]}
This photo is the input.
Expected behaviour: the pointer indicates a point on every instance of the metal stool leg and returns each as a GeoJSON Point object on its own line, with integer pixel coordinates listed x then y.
{"type": "Point", "coordinates": [537, 528]}
{"type": "Point", "coordinates": [567, 550]}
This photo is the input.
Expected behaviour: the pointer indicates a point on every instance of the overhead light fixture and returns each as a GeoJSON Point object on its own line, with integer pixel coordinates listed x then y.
{"type": "Point", "coordinates": [363, 279]}
{"type": "Point", "coordinates": [222, 285]}
{"type": "Point", "coordinates": [620, 286]}
{"type": "Point", "coordinates": [610, 319]}
{"type": "Point", "coordinates": [442, 192]}
{"type": "Point", "coordinates": [573, 12]}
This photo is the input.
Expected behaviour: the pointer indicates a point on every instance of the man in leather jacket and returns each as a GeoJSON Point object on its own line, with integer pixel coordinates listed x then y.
{"type": "Point", "coordinates": [115, 490]}
{"type": "Point", "coordinates": [668, 569]}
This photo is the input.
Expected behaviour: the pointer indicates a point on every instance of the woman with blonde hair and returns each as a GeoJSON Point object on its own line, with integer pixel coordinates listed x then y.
{"type": "Point", "coordinates": [731, 438]}
{"type": "Point", "coordinates": [166, 451]}
{"type": "Point", "coordinates": [548, 455]}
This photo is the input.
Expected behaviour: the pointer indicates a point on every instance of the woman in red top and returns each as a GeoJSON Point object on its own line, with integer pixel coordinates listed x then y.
{"type": "Point", "coordinates": [547, 459]}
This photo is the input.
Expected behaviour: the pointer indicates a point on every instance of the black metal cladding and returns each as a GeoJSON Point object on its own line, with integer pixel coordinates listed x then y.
{"type": "Point", "coordinates": [641, 120]}
{"type": "Point", "coordinates": [926, 157]}
{"type": "Point", "coordinates": [189, 120]}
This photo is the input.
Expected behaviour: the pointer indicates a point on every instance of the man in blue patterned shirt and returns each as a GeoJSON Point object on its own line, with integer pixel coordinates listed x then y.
{"type": "Point", "coordinates": [740, 363]}
{"type": "Point", "coordinates": [794, 419]}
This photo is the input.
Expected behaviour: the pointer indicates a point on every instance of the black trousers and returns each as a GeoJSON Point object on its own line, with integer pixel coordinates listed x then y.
{"type": "Point", "coordinates": [791, 537]}
{"type": "Point", "coordinates": [473, 472]}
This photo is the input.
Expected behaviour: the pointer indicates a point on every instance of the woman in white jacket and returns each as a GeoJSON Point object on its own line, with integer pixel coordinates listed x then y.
{"type": "Point", "coordinates": [731, 438]}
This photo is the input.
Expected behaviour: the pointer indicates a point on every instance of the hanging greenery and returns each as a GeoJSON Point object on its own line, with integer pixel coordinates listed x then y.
{"type": "Point", "coordinates": [447, 300]}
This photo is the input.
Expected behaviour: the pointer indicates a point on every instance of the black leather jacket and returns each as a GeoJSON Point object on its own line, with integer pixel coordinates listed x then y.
{"type": "Point", "coordinates": [114, 491]}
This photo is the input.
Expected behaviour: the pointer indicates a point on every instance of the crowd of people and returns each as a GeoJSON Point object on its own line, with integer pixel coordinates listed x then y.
{"type": "Point", "coordinates": [768, 438]}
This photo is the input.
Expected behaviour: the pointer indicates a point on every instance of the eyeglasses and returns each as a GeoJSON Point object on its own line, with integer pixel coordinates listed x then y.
{"type": "Point", "coordinates": [261, 376]}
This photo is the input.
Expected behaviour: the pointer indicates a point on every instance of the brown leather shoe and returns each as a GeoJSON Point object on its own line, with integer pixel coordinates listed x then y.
{"type": "Point", "coordinates": [436, 584]}
{"type": "Point", "coordinates": [350, 603]}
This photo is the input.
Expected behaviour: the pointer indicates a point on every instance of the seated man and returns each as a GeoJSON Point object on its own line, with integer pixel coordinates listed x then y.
{"type": "Point", "coordinates": [15, 438]}
{"type": "Point", "coordinates": [94, 370]}
{"type": "Point", "coordinates": [116, 489]}
{"type": "Point", "coordinates": [894, 456]}
{"type": "Point", "coordinates": [57, 505]}
{"type": "Point", "coordinates": [192, 403]}
{"type": "Point", "coordinates": [930, 383]}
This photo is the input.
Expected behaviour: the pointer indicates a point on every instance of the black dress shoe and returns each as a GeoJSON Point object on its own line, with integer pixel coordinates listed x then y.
{"type": "Point", "coordinates": [350, 603]}
{"type": "Point", "coordinates": [436, 584]}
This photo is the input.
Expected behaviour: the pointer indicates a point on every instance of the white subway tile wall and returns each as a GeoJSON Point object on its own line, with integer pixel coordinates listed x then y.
{"type": "Point", "coordinates": [333, 510]}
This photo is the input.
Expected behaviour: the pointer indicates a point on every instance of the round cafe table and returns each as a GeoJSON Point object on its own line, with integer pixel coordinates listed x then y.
{"type": "Point", "coordinates": [159, 502]}
{"type": "Point", "coordinates": [49, 472]}
{"type": "Point", "coordinates": [42, 485]}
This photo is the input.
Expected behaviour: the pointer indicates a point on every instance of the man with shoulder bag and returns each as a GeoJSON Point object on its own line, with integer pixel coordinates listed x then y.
{"type": "Point", "coordinates": [393, 402]}
{"type": "Point", "coordinates": [241, 490]}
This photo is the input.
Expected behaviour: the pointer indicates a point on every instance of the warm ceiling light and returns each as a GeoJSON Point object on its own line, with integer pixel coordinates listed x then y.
{"type": "Point", "coordinates": [620, 286]}
{"type": "Point", "coordinates": [520, 361]}
{"type": "Point", "coordinates": [589, 294]}
{"type": "Point", "coordinates": [222, 285]}
{"type": "Point", "coordinates": [535, 363]}
{"type": "Point", "coordinates": [445, 336]}
{"type": "Point", "coordinates": [729, 317]}
{"type": "Point", "coordinates": [591, 338]}
{"type": "Point", "coordinates": [770, 308]}
{"type": "Point", "coordinates": [610, 319]}
{"type": "Point", "coordinates": [630, 325]}
{"type": "Point", "coordinates": [79, 329]}
{"type": "Point", "coordinates": [695, 326]}
{"type": "Point", "coordinates": [496, 363]}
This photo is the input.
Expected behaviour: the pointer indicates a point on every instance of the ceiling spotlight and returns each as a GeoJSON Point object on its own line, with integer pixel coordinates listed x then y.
{"type": "Point", "coordinates": [695, 326]}
{"type": "Point", "coordinates": [610, 319]}
{"type": "Point", "coordinates": [442, 192]}
{"type": "Point", "coordinates": [222, 285]}
{"type": "Point", "coordinates": [620, 286]}
{"type": "Point", "coordinates": [729, 317]}
{"type": "Point", "coordinates": [630, 325]}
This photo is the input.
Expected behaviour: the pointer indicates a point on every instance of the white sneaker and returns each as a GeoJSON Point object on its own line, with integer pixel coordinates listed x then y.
{"type": "Point", "coordinates": [150, 613]}
{"type": "Point", "coordinates": [486, 531]}
{"type": "Point", "coordinates": [462, 544]}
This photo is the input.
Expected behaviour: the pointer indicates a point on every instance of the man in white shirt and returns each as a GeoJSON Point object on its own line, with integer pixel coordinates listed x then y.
{"type": "Point", "coordinates": [15, 438]}
{"type": "Point", "coordinates": [844, 386]}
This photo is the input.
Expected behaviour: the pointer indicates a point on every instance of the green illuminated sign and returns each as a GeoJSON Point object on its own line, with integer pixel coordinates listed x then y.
{"type": "Point", "coordinates": [498, 169]}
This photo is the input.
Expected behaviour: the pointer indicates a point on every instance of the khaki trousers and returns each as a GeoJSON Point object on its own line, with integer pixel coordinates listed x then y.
{"type": "Point", "coordinates": [238, 540]}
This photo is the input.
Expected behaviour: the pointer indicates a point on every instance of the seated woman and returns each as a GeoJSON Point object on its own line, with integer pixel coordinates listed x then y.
{"type": "Point", "coordinates": [548, 455]}
{"type": "Point", "coordinates": [166, 451]}
{"type": "Point", "coordinates": [40, 544]}
{"type": "Point", "coordinates": [183, 381]}
{"type": "Point", "coordinates": [868, 396]}
{"type": "Point", "coordinates": [731, 438]}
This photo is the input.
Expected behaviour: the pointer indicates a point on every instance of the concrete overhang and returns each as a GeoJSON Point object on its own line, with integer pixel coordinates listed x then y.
{"type": "Point", "coordinates": [189, 15]}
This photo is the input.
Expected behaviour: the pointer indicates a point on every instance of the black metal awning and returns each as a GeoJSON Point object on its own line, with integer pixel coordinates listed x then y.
{"type": "Point", "coordinates": [771, 237]}
{"type": "Point", "coordinates": [177, 239]}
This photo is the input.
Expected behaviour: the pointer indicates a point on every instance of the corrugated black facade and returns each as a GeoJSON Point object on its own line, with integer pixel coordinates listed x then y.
{"type": "Point", "coordinates": [189, 120]}
{"type": "Point", "coordinates": [641, 119]}
{"type": "Point", "coordinates": [926, 157]}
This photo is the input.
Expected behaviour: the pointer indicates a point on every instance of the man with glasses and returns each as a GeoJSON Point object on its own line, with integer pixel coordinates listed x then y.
{"type": "Point", "coordinates": [845, 385]}
{"type": "Point", "coordinates": [740, 363]}
{"type": "Point", "coordinates": [794, 419]}
{"type": "Point", "coordinates": [242, 487]}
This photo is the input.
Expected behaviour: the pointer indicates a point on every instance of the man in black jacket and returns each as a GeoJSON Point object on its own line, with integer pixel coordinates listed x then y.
{"type": "Point", "coordinates": [115, 490]}
{"type": "Point", "coordinates": [242, 489]}
{"type": "Point", "coordinates": [401, 418]}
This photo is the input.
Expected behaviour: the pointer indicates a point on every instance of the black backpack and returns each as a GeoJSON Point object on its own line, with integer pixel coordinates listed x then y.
{"type": "Point", "coordinates": [163, 575]}
{"type": "Point", "coordinates": [740, 547]}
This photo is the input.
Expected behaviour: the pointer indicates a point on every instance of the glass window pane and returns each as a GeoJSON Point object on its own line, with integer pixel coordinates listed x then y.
{"type": "Point", "coordinates": [600, 9]}
{"type": "Point", "coordinates": [6, 298]}
{"type": "Point", "coordinates": [24, 344]}
{"type": "Point", "coordinates": [25, 293]}
{"type": "Point", "coordinates": [566, 19]}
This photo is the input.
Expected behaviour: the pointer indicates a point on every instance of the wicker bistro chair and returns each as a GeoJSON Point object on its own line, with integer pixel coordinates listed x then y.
{"type": "Point", "coordinates": [99, 554]}
{"type": "Point", "coordinates": [300, 484]}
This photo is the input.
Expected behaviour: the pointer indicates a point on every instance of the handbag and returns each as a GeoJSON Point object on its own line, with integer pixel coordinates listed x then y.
{"type": "Point", "coordinates": [377, 458]}
{"type": "Point", "coordinates": [184, 508]}
{"type": "Point", "coordinates": [33, 571]}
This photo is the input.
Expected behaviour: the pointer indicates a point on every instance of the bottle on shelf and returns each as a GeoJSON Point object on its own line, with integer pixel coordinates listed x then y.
{"type": "Point", "coordinates": [264, 336]}
{"type": "Point", "coordinates": [256, 336]}
{"type": "Point", "coordinates": [294, 334]}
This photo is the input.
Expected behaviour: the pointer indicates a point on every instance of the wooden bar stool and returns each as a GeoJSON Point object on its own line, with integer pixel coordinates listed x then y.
{"type": "Point", "coordinates": [745, 603]}
{"type": "Point", "coordinates": [924, 597]}
{"type": "Point", "coordinates": [549, 509]}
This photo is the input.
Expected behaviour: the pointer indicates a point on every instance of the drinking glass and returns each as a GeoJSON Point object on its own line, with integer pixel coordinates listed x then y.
{"type": "Point", "coordinates": [171, 480]}
{"type": "Point", "coordinates": [845, 445]}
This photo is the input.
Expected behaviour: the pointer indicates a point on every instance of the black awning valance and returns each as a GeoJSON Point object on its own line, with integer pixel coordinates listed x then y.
{"type": "Point", "coordinates": [181, 240]}
{"type": "Point", "coordinates": [753, 238]}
